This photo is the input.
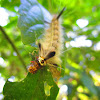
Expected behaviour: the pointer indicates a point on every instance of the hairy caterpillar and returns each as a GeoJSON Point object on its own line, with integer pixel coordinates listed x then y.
{"type": "Point", "coordinates": [49, 49]}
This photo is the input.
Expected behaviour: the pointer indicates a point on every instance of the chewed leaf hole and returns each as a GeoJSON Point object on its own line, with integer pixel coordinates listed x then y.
{"type": "Point", "coordinates": [47, 88]}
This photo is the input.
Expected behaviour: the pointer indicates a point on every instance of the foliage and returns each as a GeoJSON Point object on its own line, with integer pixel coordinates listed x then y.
{"type": "Point", "coordinates": [32, 87]}
{"type": "Point", "coordinates": [77, 62]}
{"type": "Point", "coordinates": [30, 21]}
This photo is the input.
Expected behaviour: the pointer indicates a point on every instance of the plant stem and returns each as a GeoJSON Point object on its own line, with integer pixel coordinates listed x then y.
{"type": "Point", "coordinates": [13, 46]}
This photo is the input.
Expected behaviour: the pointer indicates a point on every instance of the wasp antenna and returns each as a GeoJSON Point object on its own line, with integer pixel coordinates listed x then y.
{"type": "Point", "coordinates": [61, 12]}
{"type": "Point", "coordinates": [51, 54]}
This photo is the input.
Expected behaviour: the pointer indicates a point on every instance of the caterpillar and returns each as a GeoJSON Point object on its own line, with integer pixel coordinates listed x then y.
{"type": "Point", "coordinates": [50, 48]}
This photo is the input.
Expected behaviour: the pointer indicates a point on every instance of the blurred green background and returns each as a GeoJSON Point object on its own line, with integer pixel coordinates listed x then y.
{"type": "Point", "coordinates": [81, 60]}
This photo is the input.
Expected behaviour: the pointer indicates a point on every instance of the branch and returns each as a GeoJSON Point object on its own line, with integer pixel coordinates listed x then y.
{"type": "Point", "coordinates": [13, 46]}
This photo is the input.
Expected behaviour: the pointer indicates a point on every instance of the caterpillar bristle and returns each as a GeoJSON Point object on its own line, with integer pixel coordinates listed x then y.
{"type": "Point", "coordinates": [61, 12]}
{"type": "Point", "coordinates": [50, 48]}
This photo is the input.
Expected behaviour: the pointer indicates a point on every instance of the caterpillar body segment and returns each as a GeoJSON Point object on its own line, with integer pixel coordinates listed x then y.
{"type": "Point", "coordinates": [52, 41]}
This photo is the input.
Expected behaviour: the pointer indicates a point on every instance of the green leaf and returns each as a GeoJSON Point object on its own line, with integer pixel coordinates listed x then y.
{"type": "Point", "coordinates": [74, 69]}
{"type": "Point", "coordinates": [31, 20]}
{"type": "Point", "coordinates": [87, 81]}
{"type": "Point", "coordinates": [31, 88]}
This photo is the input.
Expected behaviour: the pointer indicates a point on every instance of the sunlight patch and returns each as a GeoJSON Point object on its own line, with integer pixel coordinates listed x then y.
{"type": "Point", "coordinates": [2, 82]}
{"type": "Point", "coordinates": [3, 16]}
{"type": "Point", "coordinates": [2, 63]}
{"type": "Point", "coordinates": [63, 89]}
{"type": "Point", "coordinates": [11, 79]}
{"type": "Point", "coordinates": [81, 41]}
{"type": "Point", "coordinates": [97, 46]}
{"type": "Point", "coordinates": [82, 23]}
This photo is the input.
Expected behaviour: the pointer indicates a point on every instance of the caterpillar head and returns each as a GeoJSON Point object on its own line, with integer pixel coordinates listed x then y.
{"type": "Point", "coordinates": [42, 60]}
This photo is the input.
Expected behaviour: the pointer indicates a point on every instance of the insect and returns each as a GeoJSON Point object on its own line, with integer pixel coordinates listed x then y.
{"type": "Point", "coordinates": [50, 48]}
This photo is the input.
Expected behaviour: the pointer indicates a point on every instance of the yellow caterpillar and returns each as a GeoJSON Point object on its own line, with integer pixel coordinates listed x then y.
{"type": "Point", "coordinates": [50, 48]}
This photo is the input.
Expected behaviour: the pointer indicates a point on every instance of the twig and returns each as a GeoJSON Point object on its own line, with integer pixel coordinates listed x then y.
{"type": "Point", "coordinates": [13, 46]}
